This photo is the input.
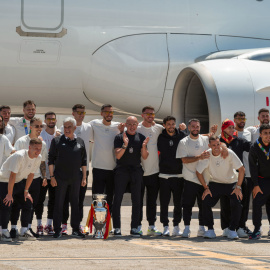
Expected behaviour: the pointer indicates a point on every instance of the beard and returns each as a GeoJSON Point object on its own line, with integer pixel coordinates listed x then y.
{"type": "Point", "coordinates": [194, 134]}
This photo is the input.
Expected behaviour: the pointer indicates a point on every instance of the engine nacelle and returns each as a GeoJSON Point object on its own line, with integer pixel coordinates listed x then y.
{"type": "Point", "coordinates": [214, 90]}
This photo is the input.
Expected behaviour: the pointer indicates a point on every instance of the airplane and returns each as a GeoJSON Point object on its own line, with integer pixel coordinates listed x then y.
{"type": "Point", "coordinates": [189, 58]}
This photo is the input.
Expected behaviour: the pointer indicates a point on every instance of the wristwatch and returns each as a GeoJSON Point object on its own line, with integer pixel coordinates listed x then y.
{"type": "Point", "coordinates": [124, 147]}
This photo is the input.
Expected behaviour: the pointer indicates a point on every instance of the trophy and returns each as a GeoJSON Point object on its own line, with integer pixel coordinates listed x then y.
{"type": "Point", "coordinates": [99, 216]}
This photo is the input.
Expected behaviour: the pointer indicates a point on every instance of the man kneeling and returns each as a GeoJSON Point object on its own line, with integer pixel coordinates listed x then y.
{"type": "Point", "coordinates": [222, 181]}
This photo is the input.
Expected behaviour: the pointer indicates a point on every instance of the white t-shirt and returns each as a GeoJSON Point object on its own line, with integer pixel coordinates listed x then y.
{"type": "Point", "coordinates": [151, 164]}
{"type": "Point", "coordinates": [103, 156]}
{"type": "Point", "coordinates": [245, 135]}
{"type": "Point", "coordinates": [5, 148]}
{"type": "Point", "coordinates": [10, 133]}
{"type": "Point", "coordinates": [188, 147]}
{"type": "Point", "coordinates": [221, 170]}
{"type": "Point", "coordinates": [17, 123]}
{"type": "Point", "coordinates": [255, 133]}
{"type": "Point", "coordinates": [47, 138]}
{"type": "Point", "coordinates": [84, 132]}
{"type": "Point", "coordinates": [23, 143]}
{"type": "Point", "coordinates": [21, 164]}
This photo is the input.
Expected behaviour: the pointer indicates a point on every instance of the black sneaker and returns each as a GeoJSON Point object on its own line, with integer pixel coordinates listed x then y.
{"type": "Point", "coordinates": [34, 234]}
{"type": "Point", "coordinates": [255, 235]}
{"type": "Point", "coordinates": [247, 230]}
{"type": "Point", "coordinates": [57, 235]}
{"type": "Point", "coordinates": [78, 234]}
{"type": "Point", "coordinates": [117, 232]}
{"type": "Point", "coordinates": [135, 233]}
{"type": "Point", "coordinates": [14, 233]}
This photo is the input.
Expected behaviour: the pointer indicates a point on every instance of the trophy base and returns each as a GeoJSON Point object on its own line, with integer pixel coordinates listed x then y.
{"type": "Point", "coordinates": [98, 235]}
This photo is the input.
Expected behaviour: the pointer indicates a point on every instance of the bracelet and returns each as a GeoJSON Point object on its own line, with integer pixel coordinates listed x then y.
{"type": "Point", "coordinates": [124, 147]}
{"type": "Point", "coordinates": [206, 188]}
{"type": "Point", "coordinates": [26, 190]}
{"type": "Point", "coordinates": [52, 176]}
{"type": "Point", "coordinates": [239, 187]}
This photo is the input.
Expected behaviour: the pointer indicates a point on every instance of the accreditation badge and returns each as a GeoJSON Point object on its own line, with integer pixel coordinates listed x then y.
{"type": "Point", "coordinates": [130, 150]}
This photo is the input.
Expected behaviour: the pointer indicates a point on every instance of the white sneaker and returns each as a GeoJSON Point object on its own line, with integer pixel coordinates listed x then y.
{"type": "Point", "coordinates": [186, 233]}
{"type": "Point", "coordinates": [140, 230]}
{"type": "Point", "coordinates": [201, 232]}
{"type": "Point", "coordinates": [27, 236]}
{"type": "Point", "coordinates": [176, 231]}
{"type": "Point", "coordinates": [232, 234]}
{"type": "Point", "coordinates": [241, 233]}
{"type": "Point", "coordinates": [6, 237]}
{"type": "Point", "coordinates": [166, 231]}
{"type": "Point", "coordinates": [153, 231]}
{"type": "Point", "coordinates": [210, 234]}
{"type": "Point", "coordinates": [225, 232]}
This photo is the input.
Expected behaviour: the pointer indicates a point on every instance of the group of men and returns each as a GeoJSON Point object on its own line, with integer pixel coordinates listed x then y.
{"type": "Point", "coordinates": [140, 158]}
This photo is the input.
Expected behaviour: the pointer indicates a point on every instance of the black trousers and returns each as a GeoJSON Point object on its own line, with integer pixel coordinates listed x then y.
{"type": "Point", "coordinates": [60, 195]}
{"type": "Point", "coordinates": [225, 209]}
{"type": "Point", "coordinates": [42, 196]}
{"type": "Point", "coordinates": [175, 186]}
{"type": "Point", "coordinates": [151, 185]}
{"type": "Point", "coordinates": [103, 182]}
{"type": "Point", "coordinates": [123, 177]}
{"type": "Point", "coordinates": [259, 201]}
{"type": "Point", "coordinates": [191, 192]}
{"type": "Point", "coordinates": [34, 191]}
{"type": "Point", "coordinates": [218, 190]}
{"type": "Point", "coordinates": [81, 201]}
{"type": "Point", "coordinates": [18, 197]}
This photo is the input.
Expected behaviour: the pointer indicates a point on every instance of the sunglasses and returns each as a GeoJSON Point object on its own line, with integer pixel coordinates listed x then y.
{"type": "Point", "coordinates": [38, 126]}
{"type": "Point", "coordinates": [80, 113]}
{"type": "Point", "coordinates": [150, 114]}
{"type": "Point", "coordinates": [242, 119]}
{"type": "Point", "coordinates": [108, 112]}
{"type": "Point", "coordinates": [51, 119]}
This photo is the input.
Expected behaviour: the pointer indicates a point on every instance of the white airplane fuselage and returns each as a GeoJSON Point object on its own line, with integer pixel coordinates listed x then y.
{"type": "Point", "coordinates": [130, 54]}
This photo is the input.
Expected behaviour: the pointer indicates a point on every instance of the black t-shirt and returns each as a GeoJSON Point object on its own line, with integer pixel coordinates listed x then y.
{"type": "Point", "coordinates": [132, 155]}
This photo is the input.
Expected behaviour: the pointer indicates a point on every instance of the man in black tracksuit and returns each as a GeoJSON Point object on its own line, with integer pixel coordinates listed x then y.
{"type": "Point", "coordinates": [239, 146]}
{"type": "Point", "coordinates": [170, 175]}
{"type": "Point", "coordinates": [259, 163]}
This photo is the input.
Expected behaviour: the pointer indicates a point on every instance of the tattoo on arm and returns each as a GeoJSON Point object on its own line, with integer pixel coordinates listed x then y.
{"type": "Point", "coordinates": [43, 169]}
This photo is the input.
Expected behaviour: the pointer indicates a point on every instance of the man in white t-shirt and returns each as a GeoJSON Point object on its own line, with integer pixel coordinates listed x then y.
{"type": "Point", "coordinates": [47, 135]}
{"type": "Point", "coordinates": [103, 158]}
{"type": "Point", "coordinates": [22, 124]}
{"type": "Point", "coordinates": [192, 149]}
{"type": "Point", "coordinates": [16, 176]}
{"type": "Point", "coordinates": [5, 111]}
{"type": "Point", "coordinates": [151, 169]}
{"type": "Point", "coordinates": [83, 130]}
{"type": "Point", "coordinates": [223, 181]}
{"type": "Point", "coordinates": [36, 127]}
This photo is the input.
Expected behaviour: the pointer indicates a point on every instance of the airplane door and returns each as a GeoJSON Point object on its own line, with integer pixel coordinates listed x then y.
{"type": "Point", "coordinates": [42, 18]}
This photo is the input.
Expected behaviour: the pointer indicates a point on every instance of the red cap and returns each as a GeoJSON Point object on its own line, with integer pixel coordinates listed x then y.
{"type": "Point", "coordinates": [226, 124]}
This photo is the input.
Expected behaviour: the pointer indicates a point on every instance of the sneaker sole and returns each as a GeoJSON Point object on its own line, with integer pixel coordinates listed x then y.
{"type": "Point", "coordinates": [26, 239]}
{"type": "Point", "coordinates": [135, 235]}
{"type": "Point", "coordinates": [166, 235]}
{"type": "Point", "coordinates": [6, 239]}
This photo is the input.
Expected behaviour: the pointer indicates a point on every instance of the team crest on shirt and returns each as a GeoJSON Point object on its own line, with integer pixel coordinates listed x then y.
{"type": "Point", "coordinates": [107, 130]}
{"type": "Point", "coordinates": [150, 135]}
{"type": "Point", "coordinates": [130, 150]}
{"type": "Point", "coordinates": [171, 143]}
{"type": "Point", "coordinates": [29, 166]}
{"type": "Point", "coordinates": [197, 146]}
{"type": "Point", "coordinates": [78, 145]}
{"type": "Point", "coordinates": [218, 163]}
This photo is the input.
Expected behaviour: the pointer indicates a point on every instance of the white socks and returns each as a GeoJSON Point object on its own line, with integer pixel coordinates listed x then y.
{"type": "Point", "coordinates": [201, 227]}
{"type": "Point", "coordinates": [23, 230]}
{"type": "Point", "coordinates": [0, 229]}
{"type": "Point", "coordinates": [39, 222]}
{"type": "Point", "coordinates": [14, 227]}
{"type": "Point", "coordinates": [29, 226]}
{"type": "Point", "coordinates": [49, 222]}
{"type": "Point", "coordinates": [187, 226]}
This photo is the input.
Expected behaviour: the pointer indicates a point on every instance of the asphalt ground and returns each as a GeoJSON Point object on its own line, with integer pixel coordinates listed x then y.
{"type": "Point", "coordinates": [138, 253]}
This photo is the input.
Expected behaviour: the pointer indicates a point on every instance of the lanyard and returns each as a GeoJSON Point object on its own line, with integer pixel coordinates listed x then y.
{"type": "Point", "coordinates": [25, 127]}
{"type": "Point", "coordinates": [267, 154]}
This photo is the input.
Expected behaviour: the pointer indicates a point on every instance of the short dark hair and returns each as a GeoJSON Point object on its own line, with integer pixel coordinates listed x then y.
{"type": "Point", "coordinates": [263, 110]}
{"type": "Point", "coordinates": [78, 106]}
{"type": "Point", "coordinates": [194, 120]}
{"type": "Point", "coordinates": [4, 107]}
{"type": "Point", "coordinates": [213, 138]}
{"type": "Point", "coordinates": [49, 113]}
{"type": "Point", "coordinates": [148, 107]}
{"type": "Point", "coordinates": [35, 141]}
{"type": "Point", "coordinates": [29, 102]}
{"type": "Point", "coordinates": [105, 106]}
{"type": "Point", "coordinates": [168, 118]}
{"type": "Point", "coordinates": [2, 129]}
{"type": "Point", "coordinates": [239, 113]}
{"type": "Point", "coordinates": [263, 127]}
{"type": "Point", "coordinates": [34, 119]}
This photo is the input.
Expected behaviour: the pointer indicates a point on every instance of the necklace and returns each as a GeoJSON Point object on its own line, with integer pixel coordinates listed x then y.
{"type": "Point", "coordinates": [260, 145]}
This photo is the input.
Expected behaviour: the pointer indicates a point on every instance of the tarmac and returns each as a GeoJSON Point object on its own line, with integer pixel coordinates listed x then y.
{"type": "Point", "coordinates": [147, 252]}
